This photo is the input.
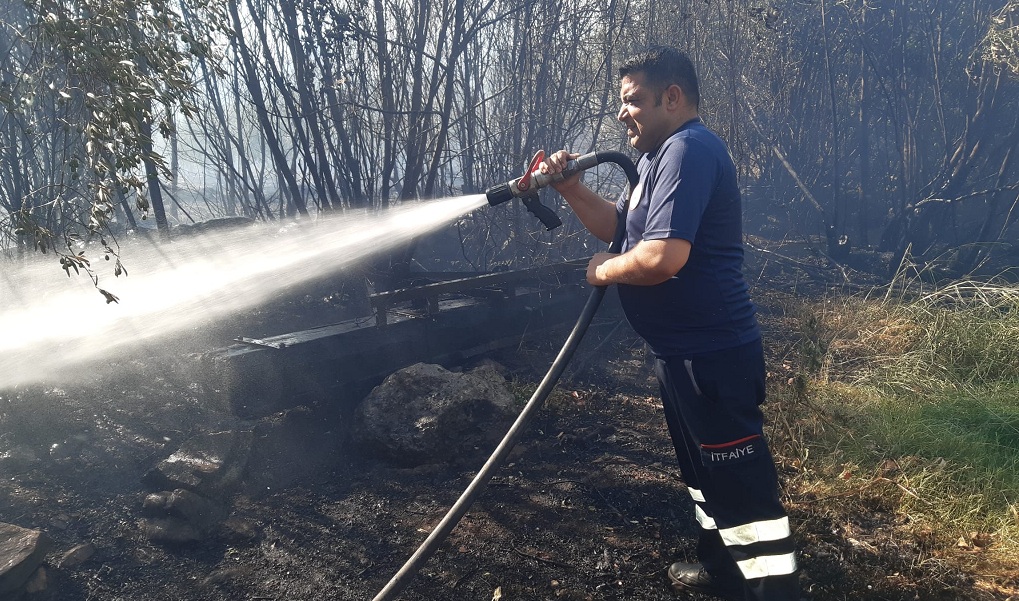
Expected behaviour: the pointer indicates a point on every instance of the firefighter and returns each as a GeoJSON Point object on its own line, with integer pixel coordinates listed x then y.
{"type": "Point", "coordinates": [680, 283]}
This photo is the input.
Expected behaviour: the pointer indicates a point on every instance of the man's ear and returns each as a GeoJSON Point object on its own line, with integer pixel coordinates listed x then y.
{"type": "Point", "coordinates": [674, 96]}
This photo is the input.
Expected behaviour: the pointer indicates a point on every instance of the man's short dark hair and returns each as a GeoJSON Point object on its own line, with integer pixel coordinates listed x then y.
{"type": "Point", "coordinates": [663, 66]}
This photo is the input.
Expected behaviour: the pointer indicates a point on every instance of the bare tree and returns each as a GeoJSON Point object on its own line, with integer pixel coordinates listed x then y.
{"type": "Point", "coordinates": [87, 85]}
{"type": "Point", "coordinates": [852, 122]}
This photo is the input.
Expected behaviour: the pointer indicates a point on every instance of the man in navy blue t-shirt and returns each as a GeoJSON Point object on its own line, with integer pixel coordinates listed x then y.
{"type": "Point", "coordinates": [680, 281]}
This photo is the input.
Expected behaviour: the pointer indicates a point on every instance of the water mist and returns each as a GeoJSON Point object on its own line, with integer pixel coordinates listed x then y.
{"type": "Point", "coordinates": [54, 325]}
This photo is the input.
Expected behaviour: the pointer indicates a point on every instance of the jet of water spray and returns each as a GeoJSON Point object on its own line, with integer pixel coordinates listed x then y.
{"type": "Point", "coordinates": [52, 324]}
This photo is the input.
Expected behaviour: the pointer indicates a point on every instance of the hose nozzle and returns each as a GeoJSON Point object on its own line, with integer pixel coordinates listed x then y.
{"type": "Point", "coordinates": [526, 187]}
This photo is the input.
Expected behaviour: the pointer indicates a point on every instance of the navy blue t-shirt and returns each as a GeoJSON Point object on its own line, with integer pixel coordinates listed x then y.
{"type": "Point", "coordinates": [688, 190]}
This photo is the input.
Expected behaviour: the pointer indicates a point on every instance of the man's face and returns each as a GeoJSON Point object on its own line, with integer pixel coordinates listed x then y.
{"type": "Point", "coordinates": [643, 113]}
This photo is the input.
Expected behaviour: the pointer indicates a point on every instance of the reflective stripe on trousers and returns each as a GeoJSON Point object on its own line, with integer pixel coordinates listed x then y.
{"type": "Point", "coordinates": [749, 534]}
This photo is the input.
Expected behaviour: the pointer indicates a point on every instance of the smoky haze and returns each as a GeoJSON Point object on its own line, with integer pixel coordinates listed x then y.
{"type": "Point", "coordinates": [869, 134]}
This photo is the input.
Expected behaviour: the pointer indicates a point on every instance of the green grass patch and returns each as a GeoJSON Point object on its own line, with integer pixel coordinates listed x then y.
{"type": "Point", "coordinates": [920, 395]}
{"type": "Point", "coordinates": [974, 435]}
{"type": "Point", "coordinates": [980, 429]}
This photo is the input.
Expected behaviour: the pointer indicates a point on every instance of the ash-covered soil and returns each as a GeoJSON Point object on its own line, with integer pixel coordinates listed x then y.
{"type": "Point", "coordinates": [589, 507]}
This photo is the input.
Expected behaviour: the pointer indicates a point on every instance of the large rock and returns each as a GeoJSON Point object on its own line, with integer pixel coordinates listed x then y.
{"type": "Point", "coordinates": [193, 488]}
{"type": "Point", "coordinates": [202, 513]}
{"type": "Point", "coordinates": [21, 554]}
{"type": "Point", "coordinates": [210, 464]}
{"type": "Point", "coordinates": [427, 414]}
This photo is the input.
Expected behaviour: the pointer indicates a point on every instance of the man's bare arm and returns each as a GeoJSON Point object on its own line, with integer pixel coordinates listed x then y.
{"type": "Point", "coordinates": [597, 214]}
{"type": "Point", "coordinates": [648, 263]}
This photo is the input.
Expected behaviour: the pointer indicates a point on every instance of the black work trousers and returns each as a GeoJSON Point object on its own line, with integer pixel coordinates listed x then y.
{"type": "Point", "coordinates": [712, 406]}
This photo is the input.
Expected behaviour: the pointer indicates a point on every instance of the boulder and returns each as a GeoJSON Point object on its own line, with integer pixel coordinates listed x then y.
{"type": "Point", "coordinates": [182, 516]}
{"type": "Point", "coordinates": [427, 414]}
{"type": "Point", "coordinates": [202, 513]}
{"type": "Point", "coordinates": [77, 555]}
{"type": "Point", "coordinates": [21, 554]}
{"type": "Point", "coordinates": [171, 530]}
{"type": "Point", "coordinates": [211, 464]}
{"type": "Point", "coordinates": [193, 488]}
{"type": "Point", "coordinates": [197, 482]}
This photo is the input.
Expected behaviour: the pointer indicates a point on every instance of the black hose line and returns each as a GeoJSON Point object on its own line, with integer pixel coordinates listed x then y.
{"type": "Point", "coordinates": [402, 577]}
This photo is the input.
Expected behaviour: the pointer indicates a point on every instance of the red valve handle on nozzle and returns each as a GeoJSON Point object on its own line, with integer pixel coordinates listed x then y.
{"type": "Point", "coordinates": [524, 183]}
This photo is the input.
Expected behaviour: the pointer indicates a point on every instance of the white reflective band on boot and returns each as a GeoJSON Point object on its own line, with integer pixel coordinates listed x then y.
{"type": "Point", "coordinates": [768, 565]}
{"type": "Point", "coordinates": [704, 519]}
{"type": "Point", "coordinates": [695, 494]}
{"type": "Point", "coordinates": [756, 532]}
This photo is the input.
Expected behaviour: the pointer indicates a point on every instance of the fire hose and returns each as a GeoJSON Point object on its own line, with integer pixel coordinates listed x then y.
{"type": "Point", "coordinates": [525, 188]}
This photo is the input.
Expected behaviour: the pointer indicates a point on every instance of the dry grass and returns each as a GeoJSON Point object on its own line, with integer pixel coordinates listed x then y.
{"type": "Point", "coordinates": [909, 404]}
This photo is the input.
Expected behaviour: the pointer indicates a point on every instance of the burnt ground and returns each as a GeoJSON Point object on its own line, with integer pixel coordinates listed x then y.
{"type": "Point", "coordinates": [589, 507]}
